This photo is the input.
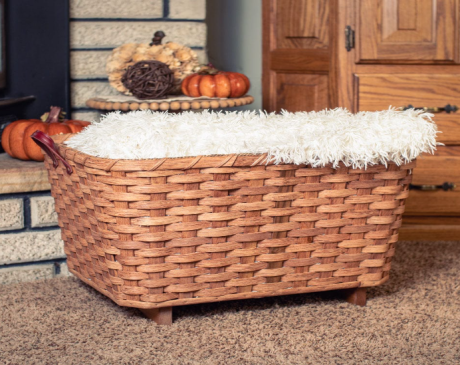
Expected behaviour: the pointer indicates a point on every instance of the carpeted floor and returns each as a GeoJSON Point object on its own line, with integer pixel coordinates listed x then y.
{"type": "Point", "coordinates": [412, 319]}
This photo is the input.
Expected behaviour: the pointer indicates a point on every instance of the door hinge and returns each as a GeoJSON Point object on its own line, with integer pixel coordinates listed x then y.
{"type": "Point", "coordinates": [349, 38]}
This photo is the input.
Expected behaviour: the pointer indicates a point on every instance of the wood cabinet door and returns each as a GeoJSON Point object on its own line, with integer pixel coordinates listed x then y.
{"type": "Point", "coordinates": [296, 40]}
{"type": "Point", "coordinates": [407, 31]}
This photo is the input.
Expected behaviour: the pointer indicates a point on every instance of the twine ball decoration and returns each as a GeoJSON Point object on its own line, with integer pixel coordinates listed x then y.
{"type": "Point", "coordinates": [148, 79]}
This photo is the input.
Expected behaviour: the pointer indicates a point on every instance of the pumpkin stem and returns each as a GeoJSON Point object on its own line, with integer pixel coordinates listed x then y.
{"type": "Point", "coordinates": [53, 116]}
{"type": "Point", "coordinates": [157, 37]}
{"type": "Point", "coordinates": [209, 69]}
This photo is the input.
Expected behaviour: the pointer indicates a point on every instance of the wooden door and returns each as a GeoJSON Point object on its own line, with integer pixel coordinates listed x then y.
{"type": "Point", "coordinates": [405, 31]}
{"type": "Point", "coordinates": [296, 54]}
{"type": "Point", "coordinates": [407, 54]}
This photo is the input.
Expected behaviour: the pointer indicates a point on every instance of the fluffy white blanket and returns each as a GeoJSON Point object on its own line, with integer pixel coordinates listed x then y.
{"type": "Point", "coordinates": [314, 138]}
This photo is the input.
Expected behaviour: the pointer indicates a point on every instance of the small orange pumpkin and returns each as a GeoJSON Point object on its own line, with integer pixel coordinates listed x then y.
{"type": "Point", "coordinates": [213, 83]}
{"type": "Point", "coordinates": [16, 139]}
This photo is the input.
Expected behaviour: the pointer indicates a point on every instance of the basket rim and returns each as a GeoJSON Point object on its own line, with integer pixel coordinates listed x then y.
{"type": "Point", "coordinates": [189, 162]}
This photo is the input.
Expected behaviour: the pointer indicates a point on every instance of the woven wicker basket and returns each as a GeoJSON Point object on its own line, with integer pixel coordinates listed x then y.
{"type": "Point", "coordinates": [161, 233]}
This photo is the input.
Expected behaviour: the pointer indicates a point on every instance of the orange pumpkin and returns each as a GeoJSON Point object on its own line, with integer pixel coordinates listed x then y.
{"type": "Point", "coordinates": [215, 83]}
{"type": "Point", "coordinates": [16, 139]}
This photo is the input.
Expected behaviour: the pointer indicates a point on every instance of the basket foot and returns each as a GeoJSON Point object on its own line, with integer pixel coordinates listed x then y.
{"type": "Point", "coordinates": [356, 296]}
{"type": "Point", "coordinates": [162, 316]}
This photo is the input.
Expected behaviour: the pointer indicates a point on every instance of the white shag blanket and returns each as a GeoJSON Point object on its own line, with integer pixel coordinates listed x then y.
{"type": "Point", "coordinates": [313, 138]}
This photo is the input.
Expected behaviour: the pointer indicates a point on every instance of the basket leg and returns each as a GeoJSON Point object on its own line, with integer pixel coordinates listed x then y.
{"type": "Point", "coordinates": [356, 296]}
{"type": "Point", "coordinates": [162, 316]}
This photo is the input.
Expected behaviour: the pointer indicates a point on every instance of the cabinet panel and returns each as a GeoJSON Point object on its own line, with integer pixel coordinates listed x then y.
{"type": "Point", "coordinates": [436, 169]}
{"type": "Point", "coordinates": [407, 30]}
{"type": "Point", "coordinates": [429, 232]}
{"type": "Point", "coordinates": [378, 92]}
{"type": "Point", "coordinates": [430, 228]}
{"type": "Point", "coordinates": [302, 23]}
{"type": "Point", "coordinates": [434, 220]}
{"type": "Point", "coordinates": [443, 166]}
{"type": "Point", "coordinates": [433, 203]}
{"type": "Point", "coordinates": [301, 92]}
{"type": "Point", "coordinates": [299, 60]}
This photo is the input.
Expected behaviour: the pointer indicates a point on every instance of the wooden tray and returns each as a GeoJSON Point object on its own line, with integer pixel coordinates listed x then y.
{"type": "Point", "coordinates": [173, 103]}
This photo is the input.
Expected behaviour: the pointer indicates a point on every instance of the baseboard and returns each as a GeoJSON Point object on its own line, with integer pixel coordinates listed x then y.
{"type": "Point", "coordinates": [426, 232]}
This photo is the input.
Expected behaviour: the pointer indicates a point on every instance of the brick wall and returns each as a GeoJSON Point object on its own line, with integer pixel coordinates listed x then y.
{"type": "Point", "coordinates": [30, 243]}
{"type": "Point", "coordinates": [99, 26]}
{"type": "Point", "coordinates": [30, 240]}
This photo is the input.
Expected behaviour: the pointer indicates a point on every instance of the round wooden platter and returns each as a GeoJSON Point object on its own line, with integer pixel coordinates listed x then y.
{"type": "Point", "coordinates": [173, 104]}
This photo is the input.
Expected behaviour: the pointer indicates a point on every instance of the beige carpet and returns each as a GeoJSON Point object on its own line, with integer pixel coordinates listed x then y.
{"type": "Point", "coordinates": [413, 319]}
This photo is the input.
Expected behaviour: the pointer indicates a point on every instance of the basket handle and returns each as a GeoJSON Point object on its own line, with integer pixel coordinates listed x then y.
{"type": "Point", "coordinates": [47, 144]}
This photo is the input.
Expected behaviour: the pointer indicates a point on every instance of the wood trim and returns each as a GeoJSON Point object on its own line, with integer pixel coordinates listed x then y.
{"type": "Point", "coordinates": [433, 203]}
{"type": "Point", "coordinates": [431, 220]}
{"type": "Point", "coordinates": [414, 232]}
{"type": "Point", "coordinates": [406, 62]}
{"type": "Point", "coordinates": [406, 69]}
{"type": "Point", "coordinates": [333, 91]}
{"type": "Point", "coordinates": [356, 93]}
{"type": "Point", "coordinates": [305, 60]}
{"type": "Point", "coordinates": [268, 76]}
{"type": "Point", "coordinates": [457, 34]}
{"type": "Point", "coordinates": [343, 61]}
{"type": "Point", "coordinates": [301, 91]}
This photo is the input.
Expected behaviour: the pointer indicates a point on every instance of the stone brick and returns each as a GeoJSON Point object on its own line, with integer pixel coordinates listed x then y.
{"type": "Point", "coordinates": [187, 9]}
{"type": "Point", "coordinates": [11, 214]}
{"type": "Point", "coordinates": [91, 64]}
{"type": "Point", "coordinates": [116, 9]}
{"type": "Point", "coordinates": [202, 56]}
{"type": "Point", "coordinates": [20, 274]}
{"type": "Point", "coordinates": [81, 91]}
{"type": "Point", "coordinates": [89, 116]}
{"type": "Point", "coordinates": [88, 64]}
{"type": "Point", "coordinates": [42, 211]}
{"type": "Point", "coordinates": [64, 270]}
{"type": "Point", "coordinates": [112, 34]}
{"type": "Point", "coordinates": [31, 246]}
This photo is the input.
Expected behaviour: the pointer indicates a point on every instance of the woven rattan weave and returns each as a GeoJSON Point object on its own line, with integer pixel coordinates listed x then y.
{"type": "Point", "coordinates": [161, 233]}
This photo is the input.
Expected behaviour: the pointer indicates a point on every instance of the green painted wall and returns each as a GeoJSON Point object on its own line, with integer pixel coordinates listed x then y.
{"type": "Point", "coordinates": [235, 40]}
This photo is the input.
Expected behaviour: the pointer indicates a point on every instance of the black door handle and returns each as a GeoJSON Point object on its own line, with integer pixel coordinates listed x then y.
{"type": "Point", "coordinates": [446, 187]}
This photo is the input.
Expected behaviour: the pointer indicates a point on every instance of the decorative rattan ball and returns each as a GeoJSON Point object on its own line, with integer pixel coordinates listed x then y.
{"type": "Point", "coordinates": [148, 79]}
